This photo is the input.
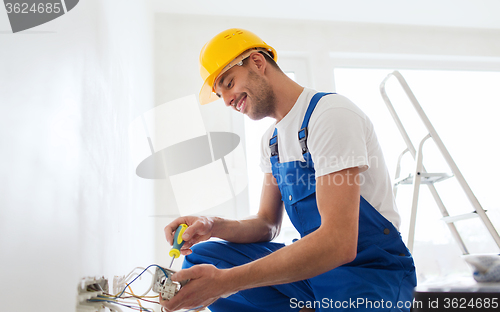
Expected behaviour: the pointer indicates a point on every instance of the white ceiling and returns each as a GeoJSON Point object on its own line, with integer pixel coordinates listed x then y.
{"type": "Point", "coordinates": [447, 13]}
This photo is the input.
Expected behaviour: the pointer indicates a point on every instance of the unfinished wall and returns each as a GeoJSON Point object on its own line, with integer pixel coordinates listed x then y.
{"type": "Point", "coordinates": [70, 203]}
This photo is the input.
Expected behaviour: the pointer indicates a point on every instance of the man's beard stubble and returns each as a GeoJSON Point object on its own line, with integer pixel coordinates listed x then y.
{"type": "Point", "coordinates": [264, 99]}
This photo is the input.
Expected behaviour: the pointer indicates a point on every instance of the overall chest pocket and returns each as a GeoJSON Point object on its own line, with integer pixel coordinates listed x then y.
{"type": "Point", "coordinates": [297, 184]}
{"type": "Point", "coordinates": [306, 215]}
{"type": "Point", "coordinates": [295, 179]}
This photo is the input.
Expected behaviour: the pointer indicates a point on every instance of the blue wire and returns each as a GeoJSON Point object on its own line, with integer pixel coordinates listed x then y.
{"type": "Point", "coordinates": [166, 275]}
{"type": "Point", "coordinates": [119, 303]}
{"type": "Point", "coordinates": [142, 308]}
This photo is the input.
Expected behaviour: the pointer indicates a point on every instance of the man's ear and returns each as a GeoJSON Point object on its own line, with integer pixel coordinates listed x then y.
{"type": "Point", "coordinates": [258, 62]}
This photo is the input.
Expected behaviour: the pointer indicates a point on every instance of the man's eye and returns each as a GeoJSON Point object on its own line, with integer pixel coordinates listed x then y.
{"type": "Point", "coordinates": [230, 84]}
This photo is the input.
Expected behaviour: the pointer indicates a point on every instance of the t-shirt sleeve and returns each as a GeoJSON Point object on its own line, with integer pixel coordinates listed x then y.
{"type": "Point", "coordinates": [337, 140]}
{"type": "Point", "coordinates": [265, 152]}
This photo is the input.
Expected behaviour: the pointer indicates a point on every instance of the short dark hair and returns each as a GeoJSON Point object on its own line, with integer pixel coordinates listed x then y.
{"type": "Point", "coordinates": [270, 60]}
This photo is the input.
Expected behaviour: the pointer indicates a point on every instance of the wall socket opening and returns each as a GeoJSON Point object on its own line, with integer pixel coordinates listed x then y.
{"type": "Point", "coordinates": [88, 288]}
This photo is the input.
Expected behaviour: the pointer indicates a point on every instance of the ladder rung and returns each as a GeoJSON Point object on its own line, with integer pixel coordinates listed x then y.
{"type": "Point", "coordinates": [427, 178]}
{"type": "Point", "coordinates": [464, 216]}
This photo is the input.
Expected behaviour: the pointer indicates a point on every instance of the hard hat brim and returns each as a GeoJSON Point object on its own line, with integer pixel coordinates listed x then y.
{"type": "Point", "coordinates": [206, 94]}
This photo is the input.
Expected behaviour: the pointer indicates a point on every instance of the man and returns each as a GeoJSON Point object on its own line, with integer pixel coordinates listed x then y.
{"type": "Point", "coordinates": [323, 164]}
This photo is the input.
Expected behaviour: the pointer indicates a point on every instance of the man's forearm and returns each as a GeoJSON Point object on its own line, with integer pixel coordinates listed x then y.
{"type": "Point", "coordinates": [251, 230]}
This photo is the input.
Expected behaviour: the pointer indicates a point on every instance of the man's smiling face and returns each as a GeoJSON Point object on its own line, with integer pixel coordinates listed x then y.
{"type": "Point", "coordinates": [247, 91]}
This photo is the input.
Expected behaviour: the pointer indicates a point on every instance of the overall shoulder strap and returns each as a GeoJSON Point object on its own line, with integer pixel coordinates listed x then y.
{"type": "Point", "coordinates": [273, 143]}
{"type": "Point", "coordinates": [303, 129]}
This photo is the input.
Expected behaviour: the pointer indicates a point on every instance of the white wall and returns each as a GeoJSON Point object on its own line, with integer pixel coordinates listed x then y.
{"type": "Point", "coordinates": [70, 204]}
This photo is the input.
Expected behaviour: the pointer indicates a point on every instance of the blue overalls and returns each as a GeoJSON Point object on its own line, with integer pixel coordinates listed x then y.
{"type": "Point", "coordinates": [381, 277]}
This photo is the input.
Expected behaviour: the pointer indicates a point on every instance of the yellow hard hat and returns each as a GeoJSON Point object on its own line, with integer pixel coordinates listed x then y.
{"type": "Point", "coordinates": [220, 51]}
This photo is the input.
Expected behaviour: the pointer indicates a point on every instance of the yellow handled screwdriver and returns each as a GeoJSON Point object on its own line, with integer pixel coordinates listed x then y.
{"type": "Point", "coordinates": [175, 252]}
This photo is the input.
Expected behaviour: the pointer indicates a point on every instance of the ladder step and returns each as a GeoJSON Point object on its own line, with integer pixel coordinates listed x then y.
{"type": "Point", "coordinates": [426, 178]}
{"type": "Point", "coordinates": [464, 216]}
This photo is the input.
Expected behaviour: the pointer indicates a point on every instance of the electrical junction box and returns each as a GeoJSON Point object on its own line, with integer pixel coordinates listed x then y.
{"type": "Point", "coordinates": [164, 286]}
{"type": "Point", "coordinates": [89, 288]}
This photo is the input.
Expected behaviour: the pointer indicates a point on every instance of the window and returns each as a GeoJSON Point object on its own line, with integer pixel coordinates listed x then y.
{"type": "Point", "coordinates": [462, 106]}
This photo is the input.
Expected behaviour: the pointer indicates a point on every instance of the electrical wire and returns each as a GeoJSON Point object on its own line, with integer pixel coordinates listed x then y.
{"type": "Point", "coordinates": [137, 297]}
{"type": "Point", "coordinates": [111, 297]}
{"type": "Point", "coordinates": [152, 283]}
{"type": "Point", "coordinates": [193, 309]}
{"type": "Point", "coordinates": [108, 299]}
{"type": "Point", "coordinates": [132, 274]}
{"type": "Point", "coordinates": [112, 307]}
{"type": "Point", "coordinates": [126, 304]}
{"type": "Point", "coordinates": [150, 297]}
{"type": "Point", "coordinates": [130, 296]}
{"type": "Point", "coordinates": [145, 270]}
{"type": "Point", "coordinates": [156, 302]}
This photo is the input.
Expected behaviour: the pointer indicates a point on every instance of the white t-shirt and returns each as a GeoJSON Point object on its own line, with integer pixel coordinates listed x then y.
{"type": "Point", "coordinates": [340, 136]}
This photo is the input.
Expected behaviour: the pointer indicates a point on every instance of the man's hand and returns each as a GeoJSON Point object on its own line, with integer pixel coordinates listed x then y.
{"type": "Point", "coordinates": [199, 229]}
{"type": "Point", "coordinates": [206, 284]}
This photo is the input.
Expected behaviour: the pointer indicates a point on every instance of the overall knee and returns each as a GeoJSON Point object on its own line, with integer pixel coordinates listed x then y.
{"type": "Point", "coordinates": [203, 253]}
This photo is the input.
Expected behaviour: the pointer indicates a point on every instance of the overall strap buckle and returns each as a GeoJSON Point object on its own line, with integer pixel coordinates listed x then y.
{"type": "Point", "coordinates": [303, 140]}
{"type": "Point", "coordinates": [273, 144]}
{"type": "Point", "coordinates": [303, 131]}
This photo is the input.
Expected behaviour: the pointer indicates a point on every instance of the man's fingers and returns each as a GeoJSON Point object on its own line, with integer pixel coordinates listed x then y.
{"type": "Point", "coordinates": [172, 227]}
{"type": "Point", "coordinates": [194, 240]}
{"type": "Point", "coordinates": [187, 245]}
{"type": "Point", "coordinates": [185, 274]}
{"type": "Point", "coordinates": [176, 302]}
{"type": "Point", "coordinates": [169, 229]}
{"type": "Point", "coordinates": [168, 234]}
{"type": "Point", "coordinates": [194, 230]}
{"type": "Point", "coordinates": [195, 294]}
{"type": "Point", "coordinates": [186, 248]}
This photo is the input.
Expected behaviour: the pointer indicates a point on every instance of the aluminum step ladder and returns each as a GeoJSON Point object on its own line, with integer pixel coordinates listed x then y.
{"type": "Point", "coordinates": [421, 176]}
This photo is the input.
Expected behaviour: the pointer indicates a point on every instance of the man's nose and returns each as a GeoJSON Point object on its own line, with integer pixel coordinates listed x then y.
{"type": "Point", "coordinates": [228, 97]}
